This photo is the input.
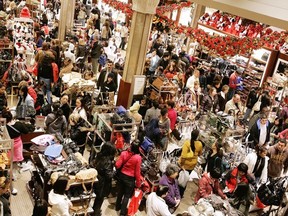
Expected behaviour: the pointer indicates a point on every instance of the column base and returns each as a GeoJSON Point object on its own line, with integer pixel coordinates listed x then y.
{"type": "Point", "coordinates": [123, 94]}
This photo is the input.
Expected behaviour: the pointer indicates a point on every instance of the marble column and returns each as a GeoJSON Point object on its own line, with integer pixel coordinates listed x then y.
{"type": "Point", "coordinates": [70, 14]}
{"type": "Point", "coordinates": [143, 13]}
{"type": "Point", "coordinates": [199, 10]}
{"type": "Point", "coordinates": [63, 19]}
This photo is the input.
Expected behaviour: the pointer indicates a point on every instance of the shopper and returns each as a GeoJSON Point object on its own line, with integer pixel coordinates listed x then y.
{"type": "Point", "coordinates": [25, 105]}
{"type": "Point", "coordinates": [152, 113]}
{"type": "Point", "coordinates": [257, 163]}
{"type": "Point", "coordinates": [251, 100]}
{"type": "Point", "coordinates": [129, 164]}
{"type": "Point", "coordinates": [103, 163]}
{"type": "Point", "coordinates": [4, 196]}
{"type": "Point", "coordinates": [260, 132]}
{"type": "Point", "coordinates": [191, 149]}
{"type": "Point", "coordinates": [156, 205]}
{"type": "Point", "coordinates": [103, 76]}
{"type": "Point", "coordinates": [154, 59]}
{"type": "Point", "coordinates": [56, 122]}
{"type": "Point", "coordinates": [105, 32]}
{"type": "Point", "coordinates": [233, 83]}
{"type": "Point", "coordinates": [65, 107]}
{"type": "Point", "coordinates": [169, 179]}
{"type": "Point", "coordinates": [133, 112]}
{"type": "Point", "coordinates": [222, 97]}
{"type": "Point", "coordinates": [58, 199]}
{"type": "Point", "coordinates": [109, 85]}
{"type": "Point", "coordinates": [171, 71]}
{"type": "Point", "coordinates": [214, 158]}
{"type": "Point", "coordinates": [209, 184]}
{"type": "Point", "coordinates": [172, 115]}
{"type": "Point", "coordinates": [164, 126]}
{"type": "Point", "coordinates": [67, 67]}
{"type": "Point", "coordinates": [15, 130]}
{"type": "Point", "coordinates": [76, 134]}
{"type": "Point", "coordinates": [81, 108]}
{"type": "Point", "coordinates": [96, 51]}
{"type": "Point", "coordinates": [265, 99]}
{"type": "Point", "coordinates": [210, 101]}
{"type": "Point", "coordinates": [234, 104]}
{"type": "Point", "coordinates": [124, 32]}
{"type": "Point", "coordinates": [278, 162]}
{"type": "Point", "coordinates": [191, 80]}
{"type": "Point", "coordinates": [255, 117]}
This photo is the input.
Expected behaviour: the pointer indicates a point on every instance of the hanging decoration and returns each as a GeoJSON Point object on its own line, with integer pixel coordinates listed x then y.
{"type": "Point", "coordinates": [224, 46]}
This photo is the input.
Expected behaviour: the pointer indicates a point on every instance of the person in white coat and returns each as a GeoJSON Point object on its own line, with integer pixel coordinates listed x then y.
{"type": "Point", "coordinates": [257, 163]}
{"type": "Point", "coordinates": [156, 205]}
{"type": "Point", "coordinates": [57, 198]}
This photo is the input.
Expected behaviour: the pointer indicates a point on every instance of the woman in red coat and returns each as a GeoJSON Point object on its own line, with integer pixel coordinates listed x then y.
{"type": "Point", "coordinates": [171, 70]}
{"type": "Point", "coordinates": [236, 176]}
{"type": "Point", "coordinates": [209, 184]}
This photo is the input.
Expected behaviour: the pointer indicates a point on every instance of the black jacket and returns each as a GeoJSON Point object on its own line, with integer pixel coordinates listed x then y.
{"type": "Point", "coordinates": [21, 128]}
{"type": "Point", "coordinates": [96, 50]}
{"type": "Point", "coordinates": [208, 104]}
{"type": "Point", "coordinates": [3, 101]}
{"type": "Point", "coordinates": [252, 99]}
{"type": "Point", "coordinates": [221, 102]}
{"type": "Point", "coordinates": [255, 133]}
{"type": "Point", "coordinates": [79, 137]}
{"type": "Point", "coordinates": [101, 79]}
{"type": "Point", "coordinates": [66, 110]}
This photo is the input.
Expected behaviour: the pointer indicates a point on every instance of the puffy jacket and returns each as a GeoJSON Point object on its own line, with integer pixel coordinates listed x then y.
{"type": "Point", "coordinates": [55, 124]}
{"type": "Point", "coordinates": [207, 188]}
{"type": "Point", "coordinates": [173, 192]}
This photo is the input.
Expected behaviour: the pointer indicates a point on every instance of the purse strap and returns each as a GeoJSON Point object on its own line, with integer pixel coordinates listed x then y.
{"type": "Point", "coordinates": [123, 164]}
{"type": "Point", "coordinates": [14, 129]}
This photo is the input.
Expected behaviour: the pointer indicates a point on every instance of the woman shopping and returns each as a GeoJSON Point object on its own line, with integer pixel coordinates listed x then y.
{"type": "Point", "coordinates": [129, 164]}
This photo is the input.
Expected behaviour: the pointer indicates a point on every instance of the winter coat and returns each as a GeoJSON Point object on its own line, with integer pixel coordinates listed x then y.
{"type": "Point", "coordinates": [231, 182]}
{"type": "Point", "coordinates": [207, 188]}
{"type": "Point", "coordinates": [131, 167]}
{"type": "Point", "coordinates": [251, 160]}
{"type": "Point", "coordinates": [173, 192]}
{"type": "Point", "coordinates": [190, 163]}
{"type": "Point", "coordinates": [209, 105]}
{"type": "Point", "coordinates": [55, 124]}
{"type": "Point", "coordinates": [60, 204]}
{"type": "Point", "coordinates": [255, 132]}
{"type": "Point", "coordinates": [79, 137]}
{"type": "Point", "coordinates": [277, 162]}
{"type": "Point", "coordinates": [96, 50]}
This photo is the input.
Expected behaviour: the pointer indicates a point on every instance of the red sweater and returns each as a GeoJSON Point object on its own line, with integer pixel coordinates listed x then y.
{"type": "Point", "coordinates": [172, 115]}
{"type": "Point", "coordinates": [233, 81]}
{"type": "Point", "coordinates": [132, 165]}
{"type": "Point", "coordinates": [32, 93]}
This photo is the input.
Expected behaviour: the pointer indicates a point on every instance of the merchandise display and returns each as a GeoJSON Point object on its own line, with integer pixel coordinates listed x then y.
{"type": "Point", "coordinates": [209, 120]}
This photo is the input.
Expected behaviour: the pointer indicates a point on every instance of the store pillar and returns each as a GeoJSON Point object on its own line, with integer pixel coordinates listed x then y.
{"type": "Point", "coordinates": [143, 14]}
{"type": "Point", "coordinates": [199, 10]}
{"type": "Point", "coordinates": [70, 14]}
{"type": "Point", "coordinates": [63, 19]}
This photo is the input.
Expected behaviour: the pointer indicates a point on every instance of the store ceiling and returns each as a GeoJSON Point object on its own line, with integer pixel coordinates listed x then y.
{"type": "Point", "coordinates": [271, 12]}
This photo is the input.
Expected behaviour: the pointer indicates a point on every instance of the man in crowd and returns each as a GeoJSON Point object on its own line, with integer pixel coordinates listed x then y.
{"type": "Point", "coordinates": [95, 54]}
{"type": "Point", "coordinates": [104, 76]}
{"type": "Point", "coordinates": [153, 112]}
{"type": "Point", "coordinates": [191, 80]}
{"type": "Point", "coordinates": [233, 83]}
{"type": "Point", "coordinates": [234, 104]}
{"type": "Point", "coordinates": [278, 162]}
{"type": "Point", "coordinates": [260, 131]}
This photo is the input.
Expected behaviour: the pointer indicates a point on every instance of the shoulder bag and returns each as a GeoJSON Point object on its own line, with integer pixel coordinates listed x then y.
{"type": "Point", "coordinates": [257, 105]}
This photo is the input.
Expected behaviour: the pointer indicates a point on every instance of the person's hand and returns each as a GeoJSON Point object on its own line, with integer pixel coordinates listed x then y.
{"type": "Point", "coordinates": [82, 129]}
{"type": "Point", "coordinates": [177, 202]}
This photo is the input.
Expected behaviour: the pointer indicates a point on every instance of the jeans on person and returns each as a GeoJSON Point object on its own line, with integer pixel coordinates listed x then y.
{"type": "Point", "coordinates": [125, 189]}
{"type": "Point", "coordinates": [247, 114]}
{"type": "Point", "coordinates": [47, 88]}
{"type": "Point", "coordinates": [95, 65]}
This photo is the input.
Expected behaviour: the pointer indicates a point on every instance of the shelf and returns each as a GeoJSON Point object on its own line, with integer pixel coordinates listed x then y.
{"type": "Point", "coordinates": [258, 60]}
{"type": "Point", "coordinates": [256, 68]}
{"type": "Point", "coordinates": [83, 197]}
{"type": "Point", "coordinates": [252, 75]}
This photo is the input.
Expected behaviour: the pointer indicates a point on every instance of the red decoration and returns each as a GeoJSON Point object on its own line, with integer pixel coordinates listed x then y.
{"type": "Point", "coordinates": [251, 37]}
{"type": "Point", "coordinates": [25, 13]}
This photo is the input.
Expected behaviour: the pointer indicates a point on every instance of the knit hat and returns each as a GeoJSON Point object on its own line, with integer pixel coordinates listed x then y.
{"type": "Point", "coordinates": [135, 107]}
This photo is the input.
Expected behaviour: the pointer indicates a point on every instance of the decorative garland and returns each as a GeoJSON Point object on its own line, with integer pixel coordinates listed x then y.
{"type": "Point", "coordinates": [220, 45]}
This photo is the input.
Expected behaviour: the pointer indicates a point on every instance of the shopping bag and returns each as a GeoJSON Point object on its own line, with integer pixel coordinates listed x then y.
{"type": "Point", "coordinates": [183, 178]}
{"type": "Point", "coordinates": [135, 202]}
{"type": "Point", "coordinates": [257, 105]}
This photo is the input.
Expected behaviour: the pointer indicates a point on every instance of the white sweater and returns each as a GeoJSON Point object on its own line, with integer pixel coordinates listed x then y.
{"type": "Point", "coordinates": [251, 160]}
{"type": "Point", "coordinates": [156, 206]}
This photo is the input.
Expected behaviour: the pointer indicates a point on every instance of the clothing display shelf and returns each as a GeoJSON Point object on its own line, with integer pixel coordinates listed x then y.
{"type": "Point", "coordinates": [6, 152]}
{"type": "Point", "coordinates": [105, 129]}
{"type": "Point", "coordinates": [167, 92]}
{"type": "Point", "coordinates": [84, 200]}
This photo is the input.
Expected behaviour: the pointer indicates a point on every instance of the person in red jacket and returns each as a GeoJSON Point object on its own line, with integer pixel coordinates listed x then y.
{"type": "Point", "coordinates": [129, 164]}
{"type": "Point", "coordinates": [31, 90]}
{"type": "Point", "coordinates": [209, 184]}
{"type": "Point", "coordinates": [236, 176]}
{"type": "Point", "coordinates": [233, 83]}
